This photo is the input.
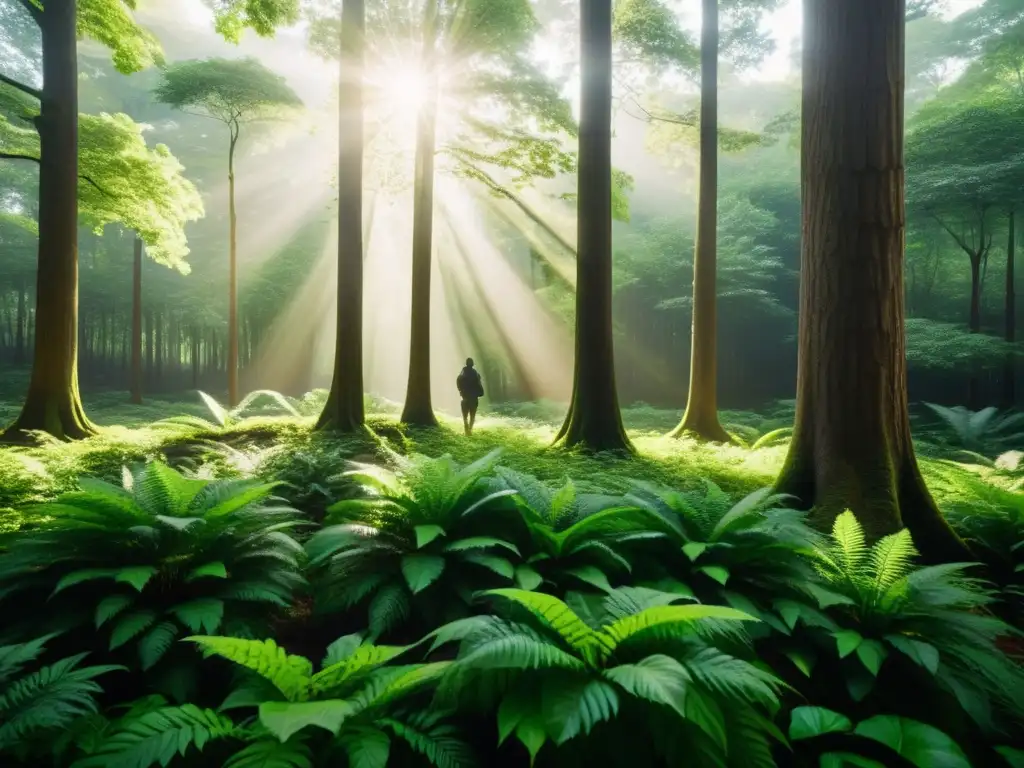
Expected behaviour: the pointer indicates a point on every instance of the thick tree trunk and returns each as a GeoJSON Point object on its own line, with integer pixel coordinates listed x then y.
{"type": "Point", "coordinates": [700, 418]}
{"type": "Point", "coordinates": [419, 408]}
{"type": "Point", "coordinates": [594, 421]}
{"type": "Point", "coordinates": [1010, 366]}
{"type": "Point", "coordinates": [53, 403]}
{"type": "Point", "coordinates": [136, 375]}
{"type": "Point", "coordinates": [232, 360]}
{"type": "Point", "coordinates": [851, 446]}
{"type": "Point", "coordinates": [344, 408]}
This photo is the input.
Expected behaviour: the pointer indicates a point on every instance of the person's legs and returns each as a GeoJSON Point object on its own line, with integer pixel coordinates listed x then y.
{"type": "Point", "coordinates": [465, 416]}
{"type": "Point", "coordinates": [474, 404]}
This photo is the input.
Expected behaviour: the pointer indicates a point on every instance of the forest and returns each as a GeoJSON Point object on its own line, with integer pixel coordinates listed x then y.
{"type": "Point", "coordinates": [555, 383]}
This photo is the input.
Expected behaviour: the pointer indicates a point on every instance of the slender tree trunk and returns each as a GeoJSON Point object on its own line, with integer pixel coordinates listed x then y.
{"type": "Point", "coordinates": [53, 403]}
{"type": "Point", "coordinates": [1010, 366]}
{"type": "Point", "coordinates": [232, 358]}
{"type": "Point", "coordinates": [22, 321]}
{"type": "Point", "coordinates": [195, 358]}
{"type": "Point", "coordinates": [594, 421]}
{"type": "Point", "coordinates": [974, 325]}
{"type": "Point", "coordinates": [344, 408]}
{"type": "Point", "coordinates": [851, 446]}
{"type": "Point", "coordinates": [701, 416]}
{"type": "Point", "coordinates": [159, 351]}
{"type": "Point", "coordinates": [136, 374]}
{"type": "Point", "coordinates": [419, 408]}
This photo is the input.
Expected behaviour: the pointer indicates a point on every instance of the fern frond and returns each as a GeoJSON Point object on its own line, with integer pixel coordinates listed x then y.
{"type": "Point", "coordinates": [290, 674]}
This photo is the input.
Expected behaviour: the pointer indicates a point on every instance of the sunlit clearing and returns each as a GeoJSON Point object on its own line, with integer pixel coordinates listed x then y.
{"type": "Point", "coordinates": [397, 88]}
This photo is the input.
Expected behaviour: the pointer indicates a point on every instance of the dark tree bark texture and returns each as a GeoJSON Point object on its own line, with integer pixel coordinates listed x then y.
{"type": "Point", "coordinates": [53, 403]}
{"type": "Point", "coordinates": [700, 419]}
{"type": "Point", "coordinates": [851, 447]}
{"type": "Point", "coordinates": [594, 422]}
{"type": "Point", "coordinates": [344, 408]}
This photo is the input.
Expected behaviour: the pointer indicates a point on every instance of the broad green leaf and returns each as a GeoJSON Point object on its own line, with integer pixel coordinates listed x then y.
{"type": "Point", "coordinates": [138, 576]}
{"type": "Point", "coordinates": [827, 598]}
{"type": "Point", "coordinates": [498, 565]}
{"type": "Point", "coordinates": [130, 625]}
{"type": "Point", "coordinates": [531, 734]}
{"type": "Point", "coordinates": [367, 748]}
{"type": "Point", "coordinates": [481, 542]}
{"type": "Point", "coordinates": [657, 678]}
{"type": "Point", "coordinates": [572, 707]}
{"type": "Point", "coordinates": [202, 615]}
{"type": "Point", "coordinates": [1014, 757]}
{"type": "Point", "coordinates": [362, 658]}
{"type": "Point", "coordinates": [271, 753]}
{"type": "Point", "coordinates": [210, 570]}
{"type": "Point", "coordinates": [289, 674]}
{"type": "Point", "coordinates": [341, 649]}
{"type": "Point", "coordinates": [554, 613]}
{"type": "Point", "coordinates": [527, 578]}
{"type": "Point", "coordinates": [922, 653]}
{"type": "Point", "coordinates": [518, 704]}
{"type": "Point", "coordinates": [803, 661]}
{"type": "Point", "coordinates": [110, 606]}
{"type": "Point", "coordinates": [426, 534]}
{"type": "Point", "coordinates": [808, 722]}
{"type": "Point", "coordinates": [420, 571]}
{"type": "Point", "coordinates": [702, 711]}
{"type": "Point", "coordinates": [86, 574]}
{"type": "Point", "coordinates": [871, 654]}
{"type": "Point", "coordinates": [716, 572]}
{"type": "Point", "coordinates": [283, 718]}
{"type": "Point", "coordinates": [623, 629]}
{"type": "Point", "coordinates": [919, 743]}
{"type": "Point", "coordinates": [694, 549]}
{"type": "Point", "coordinates": [591, 575]}
{"type": "Point", "coordinates": [847, 641]}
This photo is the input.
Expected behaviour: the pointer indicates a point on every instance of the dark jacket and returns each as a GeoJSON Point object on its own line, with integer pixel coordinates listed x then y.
{"type": "Point", "coordinates": [470, 384]}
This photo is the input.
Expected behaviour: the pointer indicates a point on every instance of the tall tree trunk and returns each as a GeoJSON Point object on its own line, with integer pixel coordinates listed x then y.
{"type": "Point", "coordinates": [700, 418]}
{"type": "Point", "coordinates": [53, 403]}
{"type": "Point", "coordinates": [851, 446]}
{"type": "Point", "coordinates": [974, 325]}
{"type": "Point", "coordinates": [344, 408]}
{"type": "Point", "coordinates": [419, 408]}
{"type": "Point", "coordinates": [594, 421]}
{"type": "Point", "coordinates": [232, 359]}
{"type": "Point", "coordinates": [158, 352]}
{"type": "Point", "coordinates": [22, 321]}
{"type": "Point", "coordinates": [136, 374]}
{"type": "Point", "coordinates": [1010, 365]}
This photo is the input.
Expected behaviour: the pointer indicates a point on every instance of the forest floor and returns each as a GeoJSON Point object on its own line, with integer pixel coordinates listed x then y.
{"type": "Point", "coordinates": [184, 432]}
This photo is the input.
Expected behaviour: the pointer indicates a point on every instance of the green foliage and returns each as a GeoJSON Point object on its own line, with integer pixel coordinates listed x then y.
{"type": "Point", "coordinates": [986, 431]}
{"type": "Point", "coordinates": [110, 22]}
{"type": "Point", "coordinates": [38, 702]}
{"type": "Point", "coordinates": [230, 90]}
{"type": "Point", "coordinates": [232, 17]}
{"type": "Point", "coordinates": [142, 564]}
{"type": "Point", "coordinates": [556, 674]}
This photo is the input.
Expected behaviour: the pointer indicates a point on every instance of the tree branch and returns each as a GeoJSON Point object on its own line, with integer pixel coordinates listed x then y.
{"type": "Point", "coordinates": [957, 238]}
{"type": "Point", "coordinates": [28, 89]}
{"type": "Point", "coordinates": [82, 176]}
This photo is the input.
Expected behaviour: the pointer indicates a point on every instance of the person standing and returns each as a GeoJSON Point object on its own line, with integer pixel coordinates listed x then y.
{"type": "Point", "coordinates": [471, 389]}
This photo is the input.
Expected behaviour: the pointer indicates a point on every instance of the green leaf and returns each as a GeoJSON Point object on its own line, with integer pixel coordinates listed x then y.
{"type": "Point", "coordinates": [289, 674]}
{"type": "Point", "coordinates": [922, 653]}
{"type": "Point", "coordinates": [130, 626]}
{"type": "Point", "coordinates": [493, 563]}
{"type": "Point", "coordinates": [871, 654]}
{"type": "Point", "coordinates": [554, 613]}
{"type": "Point", "coordinates": [110, 606]}
{"type": "Point", "coordinates": [202, 615]}
{"type": "Point", "coordinates": [790, 612]}
{"type": "Point", "coordinates": [919, 743]}
{"type": "Point", "coordinates": [575, 706]}
{"type": "Point", "coordinates": [827, 598]}
{"type": "Point", "coordinates": [527, 578]}
{"type": "Point", "coordinates": [656, 678]}
{"type": "Point", "coordinates": [271, 753]}
{"type": "Point", "coordinates": [591, 575]}
{"type": "Point", "coordinates": [283, 718]}
{"type": "Point", "coordinates": [702, 711]}
{"type": "Point", "coordinates": [1014, 757]}
{"type": "Point", "coordinates": [86, 574]}
{"type": "Point", "coordinates": [155, 643]}
{"type": "Point", "coordinates": [847, 760]}
{"type": "Point", "coordinates": [426, 534]}
{"type": "Point", "coordinates": [481, 542]}
{"type": "Point", "coordinates": [847, 641]}
{"type": "Point", "coordinates": [367, 748]}
{"type": "Point", "coordinates": [803, 661]}
{"type": "Point", "coordinates": [623, 629]}
{"type": "Point", "coordinates": [210, 570]}
{"type": "Point", "coordinates": [694, 549]}
{"type": "Point", "coordinates": [420, 571]}
{"type": "Point", "coordinates": [531, 734]}
{"type": "Point", "coordinates": [341, 649]}
{"type": "Point", "coordinates": [138, 576]}
{"type": "Point", "coordinates": [716, 572]}
{"type": "Point", "coordinates": [808, 722]}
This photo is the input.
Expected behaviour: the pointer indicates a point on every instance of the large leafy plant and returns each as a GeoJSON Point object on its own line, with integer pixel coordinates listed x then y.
{"type": "Point", "coordinates": [631, 657]}
{"type": "Point", "coordinates": [986, 432]}
{"type": "Point", "coordinates": [416, 546]}
{"type": "Point", "coordinates": [351, 710]}
{"type": "Point", "coordinates": [896, 627]}
{"type": "Point", "coordinates": [38, 701]}
{"type": "Point", "coordinates": [146, 563]}
{"type": "Point", "coordinates": [573, 538]}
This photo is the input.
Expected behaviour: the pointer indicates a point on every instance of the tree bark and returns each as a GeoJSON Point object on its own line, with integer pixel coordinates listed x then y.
{"type": "Point", "coordinates": [344, 408]}
{"type": "Point", "coordinates": [136, 377]}
{"type": "Point", "coordinates": [1010, 365]}
{"type": "Point", "coordinates": [232, 359]}
{"type": "Point", "coordinates": [419, 408]}
{"type": "Point", "coordinates": [700, 418]}
{"type": "Point", "coordinates": [53, 403]}
{"type": "Point", "coordinates": [851, 446]}
{"type": "Point", "coordinates": [22, 321]}
{"type": "Point", "coordinates": [594, 421]}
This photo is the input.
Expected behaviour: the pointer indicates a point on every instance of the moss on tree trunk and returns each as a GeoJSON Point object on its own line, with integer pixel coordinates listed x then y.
{"type": "Point", "coordinates": [851, 447]}
{"type": "Point", "coordinates": [344, 408]}
{"type": "Point", "coordinates": [594, 421]}
{"type": "Point", "coordinates": [53, 403]}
